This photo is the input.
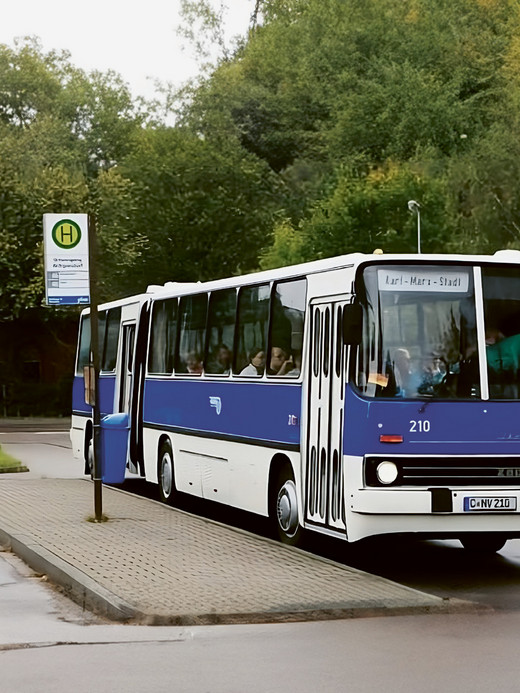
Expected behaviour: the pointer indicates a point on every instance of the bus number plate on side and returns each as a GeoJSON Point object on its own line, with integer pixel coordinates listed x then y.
{"type": "Point", "coordinates": [489, 503]}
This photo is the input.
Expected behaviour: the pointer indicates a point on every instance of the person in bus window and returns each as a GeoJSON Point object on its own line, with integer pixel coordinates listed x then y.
{"type": "Point", "coordinates": [402, 372]}
{"type": "Point", "coordinates": [281, 363]}
{"type": "Point", "coordinates": [222, 364]}
{"type": "Point", "coordinates": [194, 363]}
{"type": "Point", "coordinates": [256, 362]}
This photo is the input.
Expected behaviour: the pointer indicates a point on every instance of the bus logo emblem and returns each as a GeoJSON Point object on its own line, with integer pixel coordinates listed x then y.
{"type": "Point", "coordinates": [216, 403]}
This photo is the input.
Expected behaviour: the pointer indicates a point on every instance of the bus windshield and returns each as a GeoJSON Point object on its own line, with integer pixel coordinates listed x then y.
{"type": "Point", "coordinates": [419, 332]}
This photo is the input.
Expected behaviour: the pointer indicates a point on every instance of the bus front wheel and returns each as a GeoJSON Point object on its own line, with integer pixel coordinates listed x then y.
{"type": "Point", "coordinates": [165, 473]}
{"type": "Point", "coordinates": [483, 543]}
{"type": "Point", "coordinates": [284, 508]}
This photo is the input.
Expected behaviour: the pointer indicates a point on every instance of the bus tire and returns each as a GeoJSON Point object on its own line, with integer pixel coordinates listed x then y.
{"type": "Point", "coordinates": [483, 542]}
{"type": "Point", "coordinates": [165, 473]}
{"type": "Point", "coordinates": [89, 456]}
{"type": "Point", "coordinates": [284, 508]}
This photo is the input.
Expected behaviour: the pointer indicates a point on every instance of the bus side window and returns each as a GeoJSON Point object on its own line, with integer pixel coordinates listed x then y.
{"type": "Point", "coordinates": [251, 335]}
{"type": "Point", "coordinates": [83, 345]}
{"type": "Point", "coordinates": [221, 328]}
{"type": "Point", "coordinates": [163, 330]}
{"type": "Point", "coordinates": [111, 339]}
{"type": "Point", "coordinates": [286, 330]}
{"type": "Point", "coordinates": [192, 330]}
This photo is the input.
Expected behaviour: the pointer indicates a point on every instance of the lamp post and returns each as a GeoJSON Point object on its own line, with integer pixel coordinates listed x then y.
{"type": "Point", "coordinates": [415, 208]}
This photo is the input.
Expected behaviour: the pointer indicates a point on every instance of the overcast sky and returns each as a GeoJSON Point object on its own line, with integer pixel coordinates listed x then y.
{"type": "Point", "coordinates": [136, 39]}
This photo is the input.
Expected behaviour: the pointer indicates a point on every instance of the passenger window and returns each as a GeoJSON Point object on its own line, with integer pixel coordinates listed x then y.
{"type": "Point", "coordinates": [252, 319]}
{"type": "Point", "coordinates": [163, 332]}
{"type": "Point", "coordinates": [192, 328]}
{"type": "Point", "coordinates": [221, 329]}
{"type": "Point", "coordinates": [113, 320]}
{"type": "Point", "coordinates": [286, 333]}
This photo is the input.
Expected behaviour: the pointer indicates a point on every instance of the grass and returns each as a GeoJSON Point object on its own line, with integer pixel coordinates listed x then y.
{"type": "Point", "coordinates": [10, 464]}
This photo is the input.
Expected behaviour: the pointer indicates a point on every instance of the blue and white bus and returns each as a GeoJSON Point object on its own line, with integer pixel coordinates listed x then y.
{"type": "Point", "coordinates": [355, 396]}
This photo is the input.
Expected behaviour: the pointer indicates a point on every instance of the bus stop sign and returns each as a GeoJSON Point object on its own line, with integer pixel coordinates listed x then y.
{"type": "Point", "coordinates": [66, 254]}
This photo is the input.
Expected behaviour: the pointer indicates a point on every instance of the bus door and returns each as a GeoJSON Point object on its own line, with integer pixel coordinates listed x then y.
{"type": "Point", "coordinates": [324, 497]}
{"type": "Point", "coordinates": [134, 335]}
{"type": "Point", "coordinates": [125, 370]}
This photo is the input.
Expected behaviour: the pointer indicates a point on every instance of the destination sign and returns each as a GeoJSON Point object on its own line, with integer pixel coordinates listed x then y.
{"type": "Point", "coordinates": [417, 279]}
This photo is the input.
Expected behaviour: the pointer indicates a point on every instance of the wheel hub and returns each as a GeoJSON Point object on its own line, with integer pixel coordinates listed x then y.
{"type": "Point", "coordinates": [287, 508]}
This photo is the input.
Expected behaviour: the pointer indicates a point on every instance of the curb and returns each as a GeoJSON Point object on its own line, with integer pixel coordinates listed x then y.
{"type": "Point", "coordinates": [86, 592]}
{"type": "Point", "coordinates": [74, 583]}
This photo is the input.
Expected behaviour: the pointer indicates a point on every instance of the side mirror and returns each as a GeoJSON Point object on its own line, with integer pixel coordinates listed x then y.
{"type": "Point", "coordinates": [352, 323]}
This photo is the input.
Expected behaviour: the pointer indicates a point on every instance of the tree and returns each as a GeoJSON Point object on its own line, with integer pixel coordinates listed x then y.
{"type": "Point", "coordinates": [58, 129]}
{"type": "Point", "coordinates": [198, 211]}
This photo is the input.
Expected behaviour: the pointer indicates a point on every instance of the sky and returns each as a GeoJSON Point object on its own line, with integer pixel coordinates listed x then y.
{"type": "Point", "coordinates": [135, 38]}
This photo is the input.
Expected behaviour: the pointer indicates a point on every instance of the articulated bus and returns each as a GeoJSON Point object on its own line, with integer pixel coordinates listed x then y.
{"type": "Point", "coordinates": [356, 396]}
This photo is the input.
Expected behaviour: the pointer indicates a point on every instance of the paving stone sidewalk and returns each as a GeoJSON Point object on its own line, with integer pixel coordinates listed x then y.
{"type": "Point", "coordinates": [158, 565]}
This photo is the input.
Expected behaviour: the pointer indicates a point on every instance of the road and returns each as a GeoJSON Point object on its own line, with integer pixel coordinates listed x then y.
{"type": "Point", "coordinates": [47, 643]}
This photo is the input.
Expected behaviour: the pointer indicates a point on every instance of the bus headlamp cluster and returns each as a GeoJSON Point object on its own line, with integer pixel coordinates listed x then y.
{"type": "Point", "coordinates": [386, 472]}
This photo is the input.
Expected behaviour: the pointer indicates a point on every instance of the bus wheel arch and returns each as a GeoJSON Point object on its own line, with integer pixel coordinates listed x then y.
{"type": "Point", "coordinates": [165, 471]}
{"type": "Point", "coordinates": [283, 507]}
{"type": "Point", "coordinates": [483, 542]}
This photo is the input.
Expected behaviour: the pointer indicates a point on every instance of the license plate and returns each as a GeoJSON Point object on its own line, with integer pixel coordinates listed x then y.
{"type": "Point", "coordinates": [489, 503]}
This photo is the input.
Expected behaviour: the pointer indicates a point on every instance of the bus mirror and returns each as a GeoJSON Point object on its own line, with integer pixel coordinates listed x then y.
{"type": "Point", "coordinates": [352, 323]}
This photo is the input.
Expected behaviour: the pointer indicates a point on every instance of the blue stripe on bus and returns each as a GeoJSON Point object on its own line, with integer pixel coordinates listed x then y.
{"type": "Point", "coordinates": [261, 412]}
{"type": "Point", "coordinates": [107, 385]}
{"type": "Point", "coordinates": [433, 427]}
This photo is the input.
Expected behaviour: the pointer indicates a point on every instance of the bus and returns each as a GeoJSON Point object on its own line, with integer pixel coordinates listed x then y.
{"type": "Point", "coordinates": [355, 396]}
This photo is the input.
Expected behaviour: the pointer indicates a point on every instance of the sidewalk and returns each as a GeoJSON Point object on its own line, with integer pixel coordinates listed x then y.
{"type": "Point", "coordinates": [157, 565]}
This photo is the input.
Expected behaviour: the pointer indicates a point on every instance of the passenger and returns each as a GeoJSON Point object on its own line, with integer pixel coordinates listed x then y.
{"type": "Point", "coordinates": [222, 362]}
{"type": "Point", "coordinates": [194, 363]}
{"type": "Point", "coordinates": [493, 335]}
{"type": "Point", "coordinates": [256, 362]}
{"type": "Point", "coordinates": [503, 356]}
{"type": "Point", "coordinates": [433, 376]}
{"type": "Point", "coordinates": [402, 372]}
{"type": "Point", "coordinates": [281, 363]}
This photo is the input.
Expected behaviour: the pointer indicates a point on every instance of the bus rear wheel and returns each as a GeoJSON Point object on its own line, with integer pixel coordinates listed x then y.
{"type": "Point", "coordinates": [166, 477]}
{"type": "Point", "coordinates": [89, 457]}
{"type": "Point", "coordinates": [483, 543]}
{"type": "Point", "coordinates": [284, 508]}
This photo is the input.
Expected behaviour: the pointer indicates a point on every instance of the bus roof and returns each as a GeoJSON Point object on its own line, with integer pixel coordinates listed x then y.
{"type": "Point", "coordinates": [314, 267]}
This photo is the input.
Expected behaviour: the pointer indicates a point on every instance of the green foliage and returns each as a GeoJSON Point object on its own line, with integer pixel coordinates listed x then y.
{"type": "Point", "coordinates": [10, 464]}
{"type": "Point", "coordinates": [307, 140]}
{"type": "Point", "coordinates": [199, 211]}
{"type": "Point", "coordinates": [58, 130]}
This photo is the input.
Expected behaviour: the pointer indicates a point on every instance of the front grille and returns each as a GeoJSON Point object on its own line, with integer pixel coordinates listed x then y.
{"type": "Point", "coordinates": [448, 471]}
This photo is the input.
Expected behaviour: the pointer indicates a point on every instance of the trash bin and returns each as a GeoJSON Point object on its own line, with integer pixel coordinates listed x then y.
{"type": "Point", "coordinates": [114, 444]}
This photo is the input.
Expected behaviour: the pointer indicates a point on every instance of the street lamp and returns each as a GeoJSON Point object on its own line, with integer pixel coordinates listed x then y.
{"type": "Point", "coordinates": [415, 208]}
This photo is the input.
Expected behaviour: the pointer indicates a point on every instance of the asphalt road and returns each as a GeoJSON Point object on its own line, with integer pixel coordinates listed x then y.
{"type": "Point", "coordinates": [442, 568]}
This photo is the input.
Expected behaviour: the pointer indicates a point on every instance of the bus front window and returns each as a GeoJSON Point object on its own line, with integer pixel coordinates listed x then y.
{"type": "Point", "coordinates": [419, 333]}
{"type": "Point", "coordinates": [501, 293]}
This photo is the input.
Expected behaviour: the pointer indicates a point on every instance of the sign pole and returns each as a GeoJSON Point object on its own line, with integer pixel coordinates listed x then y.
{"type": "Point", "coordinates": [94, 357]}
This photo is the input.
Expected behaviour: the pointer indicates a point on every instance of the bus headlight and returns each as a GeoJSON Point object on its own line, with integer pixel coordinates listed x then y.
{"type": "Point", "coordinates": [386, 472]}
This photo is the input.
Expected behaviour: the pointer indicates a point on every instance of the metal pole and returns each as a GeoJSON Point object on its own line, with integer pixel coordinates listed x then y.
{"type": "Point", "coordinates": [94, 355]}
{"type": "Point", "coordinates": [419, 230]}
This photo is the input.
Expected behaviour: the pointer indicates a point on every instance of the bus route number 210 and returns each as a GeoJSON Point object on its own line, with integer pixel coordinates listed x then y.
{"type": "Point", "coordinates": [420, 426]}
